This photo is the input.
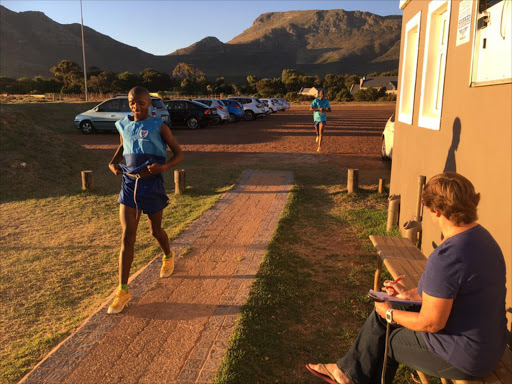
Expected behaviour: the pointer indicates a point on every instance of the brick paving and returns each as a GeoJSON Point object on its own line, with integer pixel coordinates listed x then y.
{"type": "Point", "coordinates": [177, 330]}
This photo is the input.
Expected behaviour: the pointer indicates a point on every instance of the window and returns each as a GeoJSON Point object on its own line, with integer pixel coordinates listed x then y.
{"type": "Point", "coordinates": [434, 63]}
{"type": "Point", "coordinates": [114, 105]}
{"type": "Point", "coordinates": [492, 56]}
{"type": "Point", "coordinates": [409, 69]}
{"type": "Point", "coordinates": [158, 104]}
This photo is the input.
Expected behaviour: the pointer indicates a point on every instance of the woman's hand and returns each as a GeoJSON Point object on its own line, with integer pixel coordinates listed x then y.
{"type": "Point", "coordinates": [395, 289]}
{"type": "Point", "coordinates": [115, 168]}
{"type": "Point", "coordinates": [381, 307]}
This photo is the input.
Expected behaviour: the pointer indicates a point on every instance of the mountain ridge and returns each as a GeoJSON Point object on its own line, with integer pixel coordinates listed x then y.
{"type": "Point", "coordinates": [313, 42]}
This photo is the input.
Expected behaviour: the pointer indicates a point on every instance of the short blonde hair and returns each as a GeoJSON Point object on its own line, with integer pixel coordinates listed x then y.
{"type": "Point", "coordinates": [453, 196]}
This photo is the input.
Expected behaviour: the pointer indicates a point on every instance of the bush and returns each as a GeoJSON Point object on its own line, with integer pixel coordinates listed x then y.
{"type": "Point", "coordinates": [344, 95]}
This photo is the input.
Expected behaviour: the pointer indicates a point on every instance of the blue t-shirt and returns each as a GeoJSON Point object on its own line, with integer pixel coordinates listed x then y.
{"type": "Point", "coordinates": [142, 141]}
{"type": "Point", "coordinates": [318, 103]}
{"type": "Point", "coordinates": [469, 268]}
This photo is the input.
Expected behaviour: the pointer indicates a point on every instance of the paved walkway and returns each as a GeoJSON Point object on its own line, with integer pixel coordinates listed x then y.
{"type": "Point", "coordinates": [177, 329]}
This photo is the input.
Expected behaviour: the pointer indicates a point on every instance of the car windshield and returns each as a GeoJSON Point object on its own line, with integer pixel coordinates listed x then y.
{"type": "Point", "coordinates": [258, 100]}
{"type": "Point", "coordinates": [221, 103]}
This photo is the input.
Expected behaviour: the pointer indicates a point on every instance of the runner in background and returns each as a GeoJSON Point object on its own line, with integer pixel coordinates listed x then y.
{"type": "Point", "coordinates": [320, 106]}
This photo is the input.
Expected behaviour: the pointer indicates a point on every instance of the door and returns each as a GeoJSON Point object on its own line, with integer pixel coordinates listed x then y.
{"type": "Point", "coordinates": [108, 113]}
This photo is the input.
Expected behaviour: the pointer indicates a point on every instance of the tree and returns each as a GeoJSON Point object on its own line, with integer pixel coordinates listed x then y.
{"type": "Point", "coordinates": [334, 83]}
{"type": "Point", "coordinates": [102, 83]}
{"type": "Point", "coordinates": [251, 83]}
{"type": "Point", "coordinates": [351, 80]}
{"type": "Point", "coordinates": [367, 94]}
{"type": "Point", "coordinates": [46, 85]}
{"type": "Point", "coordinates": [70, 74]}
{"type": "Point", "coordinates": [184, 70]}
{"type": "Point", "coordinates": [270, 87]}
{"type": "Point", "coordinates": [93, 71]}
{"type": "Point", "coordinates": [155, 81]}
{"type": "Point", "coordinates": [125, 81]}
{"type": "Point", "coordinates": [344, 95]}
{"type": "Point", "coordinates": [7, 84]}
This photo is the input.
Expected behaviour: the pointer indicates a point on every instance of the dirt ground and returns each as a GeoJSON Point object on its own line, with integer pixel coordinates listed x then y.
{"type": "Point", "coordinates": [352, 139]}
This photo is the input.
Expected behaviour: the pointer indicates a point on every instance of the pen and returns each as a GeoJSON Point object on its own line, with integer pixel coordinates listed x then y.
{"type": "Point", "coordinates": [399, 278]}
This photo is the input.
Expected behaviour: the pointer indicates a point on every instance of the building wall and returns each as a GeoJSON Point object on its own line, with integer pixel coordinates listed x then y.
{"type": "Point", "coordinates": [475, 139]}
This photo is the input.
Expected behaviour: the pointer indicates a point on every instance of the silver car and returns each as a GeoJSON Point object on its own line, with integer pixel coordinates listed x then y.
{"type": "Point", "coordinates": [104, 115]}
{"type": "Point", "coordinates": [222, 109]}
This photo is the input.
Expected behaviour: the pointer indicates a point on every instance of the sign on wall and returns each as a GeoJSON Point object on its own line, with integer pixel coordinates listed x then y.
{"type": "Point", "coordinates": [464, 22]}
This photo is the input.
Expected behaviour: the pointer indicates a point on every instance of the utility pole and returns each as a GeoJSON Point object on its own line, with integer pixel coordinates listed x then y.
{"type": "Point", "coordinates": [83, 49]}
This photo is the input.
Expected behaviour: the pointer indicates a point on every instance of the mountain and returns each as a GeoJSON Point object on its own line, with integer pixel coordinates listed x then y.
{"type": "Point", "coordinates": [313, 42]}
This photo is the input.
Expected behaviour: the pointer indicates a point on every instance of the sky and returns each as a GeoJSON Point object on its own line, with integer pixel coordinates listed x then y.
{"type": "Point", "coordinates": [166, 25]}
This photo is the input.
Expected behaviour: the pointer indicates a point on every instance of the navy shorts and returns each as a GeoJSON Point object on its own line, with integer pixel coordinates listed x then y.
{"type": "Point", "coordinates": [317, 123]}
{"type": "Point", "coordinates": [147, 194]}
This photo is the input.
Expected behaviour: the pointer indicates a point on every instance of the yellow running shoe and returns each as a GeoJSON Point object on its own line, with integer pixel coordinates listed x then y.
{"type": "Point", "coordinates": [318, 149]}
{"type": "Point", "coordinates": [122, 298]}
{"type": "Point", "coordinates": [167, 266]}
{"type": "Point", "coordinates": [316, 139]}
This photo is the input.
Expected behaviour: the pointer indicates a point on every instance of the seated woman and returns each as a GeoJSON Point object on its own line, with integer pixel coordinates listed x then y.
{"type": "Point", "coordinates": [459, 332]}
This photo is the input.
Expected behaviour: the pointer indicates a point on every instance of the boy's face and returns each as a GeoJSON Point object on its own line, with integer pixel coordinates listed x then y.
{"type": "Point", "coordinates": [321, 95]}
{"type": "Point", "coordinates": [139, 105]}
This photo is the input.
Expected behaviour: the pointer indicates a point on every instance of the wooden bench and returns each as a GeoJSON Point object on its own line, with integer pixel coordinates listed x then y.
{"type": "Point", "coordinates": [401, 257]}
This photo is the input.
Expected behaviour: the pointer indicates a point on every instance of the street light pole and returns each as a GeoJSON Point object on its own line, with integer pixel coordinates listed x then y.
{"type": "Point", "coordinates": [83, 49]}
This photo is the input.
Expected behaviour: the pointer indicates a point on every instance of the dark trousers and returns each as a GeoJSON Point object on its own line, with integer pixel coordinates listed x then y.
{"type": "Point", "coordinates": [363, 361]}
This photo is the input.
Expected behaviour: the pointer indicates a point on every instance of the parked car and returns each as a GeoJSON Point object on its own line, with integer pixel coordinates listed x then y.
{"type": "Point", "coordinates": [222, 110]}
{"type": "Point", "coordinates": [280, 103]}
{"type": "Point", "coordinates": [190, 113]}
{"type": "Point", "coordinates": [273, 104]}
{"type": "Point", "coordinates": [235, 109]}
{"type": "Point", "coordinates": [286, 104]}
{"type": "Point", "coordinates": [386, 150]}
{"type": "Point", "coordinates": [104, 115]}
{"type": "Point", "coordinates": [253, 107]}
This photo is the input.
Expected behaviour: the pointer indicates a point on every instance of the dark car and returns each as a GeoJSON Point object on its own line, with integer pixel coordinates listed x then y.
{"type": "Point", "coordinates": [190, 113]}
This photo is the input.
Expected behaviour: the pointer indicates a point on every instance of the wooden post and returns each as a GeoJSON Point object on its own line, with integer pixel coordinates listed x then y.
{"type": "Point", "coordinates": [353, 180]}
{"type": "Point", "coordinates": [382, 185]}
{"type": "Point", "coordinates": [179, 181]}
{"type": "Point", "coordinates": [87, 182]}
{"type": "Point", "coordinates": [393, 209]}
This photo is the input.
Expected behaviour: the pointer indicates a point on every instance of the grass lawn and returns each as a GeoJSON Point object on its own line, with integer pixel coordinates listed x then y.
{"type": "Point", "coordinates": [60, 247]}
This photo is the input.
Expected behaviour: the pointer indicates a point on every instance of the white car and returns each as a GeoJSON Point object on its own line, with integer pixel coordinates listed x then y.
{"type": "Point", "coordinates": [386, 149]}
{"type": "Point", "coordinates": [253, 107]}
{"type": "Point", "coordinates": [286, 104]}
{"type": "Point", "coordinates": [222, 110]}
{"type": "Point", "coordinates": [273, 105]}
{"type": "Point", "coordinates": [279, 103]}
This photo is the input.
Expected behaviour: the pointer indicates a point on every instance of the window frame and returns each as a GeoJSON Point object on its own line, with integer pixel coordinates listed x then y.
{"type": "Point", "coordinates": [437, 86]}
{"type": "Point", "coordinates": [411, 24]}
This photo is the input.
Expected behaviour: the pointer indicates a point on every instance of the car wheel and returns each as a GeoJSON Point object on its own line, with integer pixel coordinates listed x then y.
{"type": "Point", "coordinates": [249, 115]}
{"type": "Point", "coordinates": [231, 118]}
{"type": "Point", "coordinates": [193, 123]}
{"type": "Point", "coordinates": [86, 127]}
{"type": "Point", "coordinates": [383, 150]}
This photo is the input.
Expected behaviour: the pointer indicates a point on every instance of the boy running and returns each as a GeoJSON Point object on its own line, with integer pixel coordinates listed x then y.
{"type": "Point", "coordinates": [320, 105]}
{"type": "Point", "coordinates": [144, 141]}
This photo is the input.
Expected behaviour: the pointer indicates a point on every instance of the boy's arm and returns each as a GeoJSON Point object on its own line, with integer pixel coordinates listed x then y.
{"type": "Point", "coordinates": [176, 158]}
{"type": "Point", "coordinates": [114, 163]}
{"type": "Point", "coordinates": [328, 109]}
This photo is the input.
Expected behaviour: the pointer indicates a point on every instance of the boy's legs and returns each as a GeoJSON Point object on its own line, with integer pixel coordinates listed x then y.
{"type": "Point", "coordinates": [155, 225]}
{"type": "Point", "coordinates": [320, 133]}
{"type": "Point", "coordinates": [129, 218]}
